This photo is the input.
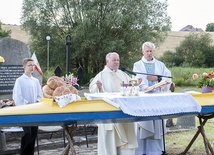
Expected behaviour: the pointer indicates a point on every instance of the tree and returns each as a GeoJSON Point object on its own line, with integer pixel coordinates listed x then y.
{"type": "Point", "coordinates": [193, 51]}
{"type": "Point", "coordinates": [171, 59]}
{"type": "Point", "coordinates": [4, 33]}
{"type": "Point", "coordinates": [96, 26]}
{"type": "Point", "coordinates": [194, 47]}
{"type": "Point", "coordinates": [210, 27]}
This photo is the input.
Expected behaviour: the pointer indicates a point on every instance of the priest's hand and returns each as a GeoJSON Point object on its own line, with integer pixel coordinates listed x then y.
{"type": "Point", "coordinates": [99, 85]}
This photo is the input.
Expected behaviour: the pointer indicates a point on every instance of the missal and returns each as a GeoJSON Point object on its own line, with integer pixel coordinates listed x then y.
{"type": "Point", "coordinates": [158, 85]}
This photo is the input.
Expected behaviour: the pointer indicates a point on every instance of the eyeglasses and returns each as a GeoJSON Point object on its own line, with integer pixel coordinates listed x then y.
{"type": "Point", "coordinates": [31, 65]}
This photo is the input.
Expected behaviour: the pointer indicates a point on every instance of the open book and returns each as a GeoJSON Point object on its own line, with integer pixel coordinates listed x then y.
{"type": "Point", "coordinates": [158, 85]}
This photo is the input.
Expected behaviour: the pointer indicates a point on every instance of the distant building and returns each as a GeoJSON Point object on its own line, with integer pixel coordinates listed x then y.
{"type": "Point", "coordinates": [190, 28]}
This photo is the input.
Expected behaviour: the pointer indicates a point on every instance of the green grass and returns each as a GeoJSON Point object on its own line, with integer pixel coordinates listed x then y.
{"type": "Point", "coordinates": [179, 89]}
{"type": "Point", "coordinates": [176, 142]}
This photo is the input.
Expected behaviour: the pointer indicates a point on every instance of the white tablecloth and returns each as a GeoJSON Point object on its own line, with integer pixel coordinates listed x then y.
{"type": "Point", "coordinates": [149, 104]}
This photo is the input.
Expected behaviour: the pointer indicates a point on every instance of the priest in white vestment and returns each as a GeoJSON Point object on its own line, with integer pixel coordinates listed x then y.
{"type": "Point", "coordinates": [150, 133]}
{"type": "Point", "coordinates": [116, 138]}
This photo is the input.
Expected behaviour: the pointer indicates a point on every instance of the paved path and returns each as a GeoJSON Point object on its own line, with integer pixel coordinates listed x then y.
{"type": "Point", "coordinates": [53, 144]}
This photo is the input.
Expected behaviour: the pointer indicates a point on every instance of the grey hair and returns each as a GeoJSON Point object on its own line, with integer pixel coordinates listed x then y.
{"type": "Point", "coordinates": [110, 54]}
{"type": "Point", "coordinates": [148, 44]}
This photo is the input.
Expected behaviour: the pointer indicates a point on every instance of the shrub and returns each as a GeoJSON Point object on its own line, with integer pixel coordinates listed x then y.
{"type": "Point", "coordinates": [183, 76]}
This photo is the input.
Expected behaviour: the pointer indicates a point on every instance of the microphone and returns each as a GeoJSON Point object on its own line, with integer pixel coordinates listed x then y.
{"type": "Point", "coordinates": [135, 73]}
{"type": "Point", "coordinates": [128, 71]}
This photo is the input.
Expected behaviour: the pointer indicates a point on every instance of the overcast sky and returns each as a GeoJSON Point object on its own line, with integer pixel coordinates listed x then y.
{"type": "Point", "coordinates": [197, 13]}
{"type": "Point", "coordinates": [10, 11]}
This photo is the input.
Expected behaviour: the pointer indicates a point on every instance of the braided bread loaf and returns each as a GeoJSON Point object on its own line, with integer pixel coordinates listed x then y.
{"type": "Point", "coordinates": [47, 91]}
{"type": "Point", "coordinates": [54, 82]}
{"type": "Point", "coordinates": [56, 86]}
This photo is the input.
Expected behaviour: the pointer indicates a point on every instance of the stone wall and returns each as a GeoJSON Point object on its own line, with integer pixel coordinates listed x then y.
{"type": "Point", "coordinates": [13, 51]}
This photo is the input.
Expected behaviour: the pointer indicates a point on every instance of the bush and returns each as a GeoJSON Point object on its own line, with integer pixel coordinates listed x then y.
{"type": "Point", "coordinates": [195, 50]}
{"type": "Point", "coordinates": [183, 76]}
{"type": "Point", "coordinates": [46, 75]}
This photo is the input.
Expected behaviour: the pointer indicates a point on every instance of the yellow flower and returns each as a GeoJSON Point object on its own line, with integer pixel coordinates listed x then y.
{"type": "Point", "coordinates": [212, 73]}
{"type": "Point", "coordinates": [1, 59]}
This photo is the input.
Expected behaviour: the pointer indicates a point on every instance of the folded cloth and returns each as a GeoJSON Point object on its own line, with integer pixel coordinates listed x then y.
{"type": "Point", "coordinates": [63, 100]}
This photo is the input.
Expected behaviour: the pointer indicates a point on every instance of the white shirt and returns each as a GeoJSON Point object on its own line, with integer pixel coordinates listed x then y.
{"type": "Point", "coordinates": [160, 69]}
{"type": "Point", "coordinates": [26, 90]}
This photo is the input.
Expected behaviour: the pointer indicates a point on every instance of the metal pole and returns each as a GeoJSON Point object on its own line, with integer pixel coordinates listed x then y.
{"type": "Point", "coordinates": [68, 51]}
{"type": "Point", "coordinates": [48, 38]}
{"type": "Point", "coordinates": [48, 57]}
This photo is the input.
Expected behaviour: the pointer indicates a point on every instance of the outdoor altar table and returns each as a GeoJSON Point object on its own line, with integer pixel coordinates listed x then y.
{"type": "Point", "coordinates": [85, 111]}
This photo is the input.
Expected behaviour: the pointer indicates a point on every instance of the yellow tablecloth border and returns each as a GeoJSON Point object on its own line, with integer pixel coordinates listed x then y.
{"type": "Point", "coordinates": [47, 106]}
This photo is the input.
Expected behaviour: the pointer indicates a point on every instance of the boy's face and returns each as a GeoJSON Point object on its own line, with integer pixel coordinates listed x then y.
{"type": "Point", "coordinates": [29, 67]}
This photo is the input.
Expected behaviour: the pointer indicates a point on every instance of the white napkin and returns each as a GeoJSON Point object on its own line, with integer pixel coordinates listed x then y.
{"type": "Point", "coordinates": [66, 99]}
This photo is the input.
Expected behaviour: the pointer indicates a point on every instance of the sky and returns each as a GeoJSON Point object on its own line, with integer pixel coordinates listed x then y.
{"type": "Point", "coordinates": [197, 13]}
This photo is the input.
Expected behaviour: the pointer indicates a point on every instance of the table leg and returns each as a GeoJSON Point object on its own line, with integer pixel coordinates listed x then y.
{"type": "Point", "coordinates": [201, 130]}
{"type": "Point", "coordinates": [204, 136]}
{"type": "Point", "coordinates": [210, 147]}
{"type": "Point", "coordinates": [69, 131]}
{"type": "Point", "coordinates": [164, 144]}
{"type": "Point", "coordinates": [194, 138]}
{"type": "Point", "coordinates": [1, 143]}
{"type": "Point", "coordinates": [206, 117]}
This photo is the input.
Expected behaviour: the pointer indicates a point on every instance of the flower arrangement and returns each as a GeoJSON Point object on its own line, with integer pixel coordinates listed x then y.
{"type": "Point", "coordinates": [1, 60]}
{"type": "Point", "coordinates": [206, 79]}
{"type": "Point", "coordinates": [70, 79]}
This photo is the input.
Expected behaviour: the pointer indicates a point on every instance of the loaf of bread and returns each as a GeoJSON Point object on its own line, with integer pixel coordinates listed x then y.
{"type": "Point", "coordinates": [47, 91]}
{"type": "Point", "coordinates": [55, 81]}
{"type": "Point", "coordinates": [72, 89]}
{"type": "Point", "coordinates": [62, 90]}
{"type": "Point", "coordinates": [56, 86]}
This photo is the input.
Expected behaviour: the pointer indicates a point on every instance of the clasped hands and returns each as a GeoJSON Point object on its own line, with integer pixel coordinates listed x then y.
{"type": "Point", "coordinates": [152, 78]}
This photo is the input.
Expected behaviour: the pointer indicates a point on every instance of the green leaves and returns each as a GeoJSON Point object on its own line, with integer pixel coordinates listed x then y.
{"type": "Point", "coordinates": [194, 51]}
{"type": "Point", "coordinates": [97, 27]}
{"type": "Point", "coordinates": [4, 33]}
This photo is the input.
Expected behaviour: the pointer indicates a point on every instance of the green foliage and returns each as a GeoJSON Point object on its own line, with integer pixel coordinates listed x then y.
{"type": "Point", "coordinates": [183, 76]}
{"type": "Point", "coordinates": [194, 51]}
{"type": "Point", "coordinates": [209, 55]}
{"type": "Point", "coordinates": [170, 59]}
{"type": "Point", "coordinates": [46, 75]}
{"type": "Point", "coordinates": [4, 33]}
{"type": "Point", "coordinates": [96, 27]}
{"type": "Point", "coordinates": [210, 27]}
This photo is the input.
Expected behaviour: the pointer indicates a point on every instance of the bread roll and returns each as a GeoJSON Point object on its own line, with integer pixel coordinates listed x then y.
{"type": "Point", "coordinates": [54, 82]}
{"type": "Point", "coordinates": [62, 90]}
{"type": "Point", "coordinates": [72, 89]}
{"type": "Point", "coordinates": [47, 91]}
